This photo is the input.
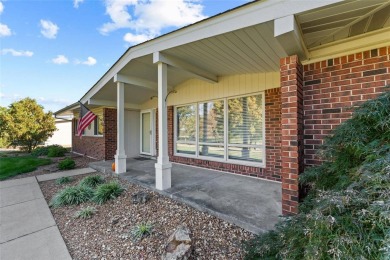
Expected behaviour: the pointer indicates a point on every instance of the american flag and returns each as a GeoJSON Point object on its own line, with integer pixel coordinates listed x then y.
{"type": "Point", "coordinates": [86, 117]}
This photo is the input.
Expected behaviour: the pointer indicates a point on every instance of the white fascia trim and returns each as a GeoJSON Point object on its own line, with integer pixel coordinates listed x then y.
{"type": "Point", "coordinates": [252, 14]}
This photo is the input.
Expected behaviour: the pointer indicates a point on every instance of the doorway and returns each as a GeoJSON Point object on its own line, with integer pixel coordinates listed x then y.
{"type": "Point", "coordinates": [147, 132]}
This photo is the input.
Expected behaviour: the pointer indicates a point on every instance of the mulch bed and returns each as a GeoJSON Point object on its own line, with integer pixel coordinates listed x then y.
{"type": "Point", "coordinates": [81, 162]}
{"type": "Point", "coordinates": [104, 235]}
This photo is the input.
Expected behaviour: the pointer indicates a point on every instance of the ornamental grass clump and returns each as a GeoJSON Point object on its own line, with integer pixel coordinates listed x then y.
{"type": "Point", "coordinates": [346, 214]}
{"type": "Point", "coordinates": [64, 180]}
{"type": "Point", "coordinates": [107, 191]}
{"type": "Point", "coordinates": [85, 212]}
{"type": "Point", "coordinates": [140, 231]}
{"type": "Point", "coordinates": [74, 195]}
{"type": "Point", "coordinates": [92, 181]}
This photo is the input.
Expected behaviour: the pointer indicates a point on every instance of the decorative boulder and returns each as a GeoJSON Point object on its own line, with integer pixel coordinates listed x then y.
{"type": "Point", "coordinates": [140, 197]}
{"type": "Point", "coordinates": [179, 245]}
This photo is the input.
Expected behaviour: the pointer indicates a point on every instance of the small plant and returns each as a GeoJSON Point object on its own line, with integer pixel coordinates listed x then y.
{"type": "Point", "coordinates": [140, 231]}
{"type": "Point", "coordinates": [56, 151]}
{"type": "Point", "coordinates": [66, 164]}
{"type": "Point", "coordinates": [64, 180]}
{"type": "Point", "coordinates": [107, 191]}
{"type": "Point", "coordinates": [92, 181]}
{"type": "Point", "coordinates": [74, 195]}
{"type": "Point", "coordinates": [85, 212]}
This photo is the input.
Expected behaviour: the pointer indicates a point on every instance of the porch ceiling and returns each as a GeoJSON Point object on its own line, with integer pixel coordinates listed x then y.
{"type": "Point", "coordinates": [343, 20]}
{"type": "Point", "coordinates": [249, 50]}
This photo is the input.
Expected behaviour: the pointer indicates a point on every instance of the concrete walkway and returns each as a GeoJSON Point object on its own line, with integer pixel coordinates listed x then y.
{"type": "Point", "coordinates": [28, 230]}
{"type": "Point", "coordinates": [250, 203]}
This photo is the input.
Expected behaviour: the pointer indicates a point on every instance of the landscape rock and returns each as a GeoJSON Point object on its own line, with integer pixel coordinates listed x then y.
{"type": "Point", "coordinates": [140, 197]}
{"type": "Point", "coordinates": [179, 245]}
{"type": "Point", "coordinates": [212, 238]}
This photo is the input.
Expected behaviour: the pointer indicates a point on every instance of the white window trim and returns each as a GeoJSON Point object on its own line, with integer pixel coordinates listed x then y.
{"type": "Point", "coordinates": [226, 145]}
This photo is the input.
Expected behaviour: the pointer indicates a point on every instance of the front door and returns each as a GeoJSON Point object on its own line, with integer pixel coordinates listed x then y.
{"type": "Point", "coordinates": [147, 132]}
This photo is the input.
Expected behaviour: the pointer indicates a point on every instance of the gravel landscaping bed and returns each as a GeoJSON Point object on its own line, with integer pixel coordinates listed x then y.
{"type": "Point", "coordinates": [81, 162]}
{"type": "Point", "coordinates": [106, 234]}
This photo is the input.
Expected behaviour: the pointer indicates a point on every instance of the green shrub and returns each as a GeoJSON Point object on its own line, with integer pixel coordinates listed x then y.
{"type": "Point", "coordinates": [71, 196]}
{"type": "Point", "coordinates": [85, 212]}
{"type": "Point", "coordinates": [64, 180]}
{"type": "Point", "coordinates": [346, 213]}
{"type": "Point", "coordinates": [92, 181]}
{"type": "Point", "coordinates": [40, 151]}
{"type": "Point", "coordinates": [140, 231]}
{"type": "Point", "coordinates": [44, 150]}
{"type": "Point", "coordinates": [107, 191]}
{"type": "Point", "coordinates": [66, 164]}
{"type": "Point", "coordinates": [56, 151]}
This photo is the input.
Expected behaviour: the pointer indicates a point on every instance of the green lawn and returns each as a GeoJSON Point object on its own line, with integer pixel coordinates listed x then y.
{"type": "Point", "coordinates": [11, 166]}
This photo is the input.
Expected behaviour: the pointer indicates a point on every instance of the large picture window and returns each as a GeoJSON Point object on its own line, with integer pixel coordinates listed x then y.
{"type": "Point", "coordinates": [229, 129]}
{"type": "Point", "coordinates": [211, 129]}
{"type": "Point", "coordinates": [245, 124]}
{"type": "Point", "coordinates": [186, 129]}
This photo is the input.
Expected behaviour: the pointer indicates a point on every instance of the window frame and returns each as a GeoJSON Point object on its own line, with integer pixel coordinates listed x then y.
{"type": "Point", "coordinates": [226, 144]}
{"type": "Point", "coordinates": [175, 131]}
{"type": "Point", "coordinates": [95, 128]}
{"type": "Point", "coordinates": [211, 144]}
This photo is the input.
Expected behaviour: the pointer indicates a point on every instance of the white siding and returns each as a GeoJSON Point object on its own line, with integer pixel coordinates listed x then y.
{"type": "Point", "coordinates": [63, 134]}
{"type": "Point", "coordinates": [195, 90]}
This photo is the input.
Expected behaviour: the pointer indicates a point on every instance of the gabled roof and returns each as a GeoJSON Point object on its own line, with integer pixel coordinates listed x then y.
{"type": "Point", "coordinates": [250, 38]}
{"type": "Point", "coordinates": [247, 15]}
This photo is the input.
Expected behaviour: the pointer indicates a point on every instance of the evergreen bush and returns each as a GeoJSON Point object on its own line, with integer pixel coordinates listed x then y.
{"type": "Point", "coordinates": [56, 151]}
{"type": "Point", "coordinates": [346, 214]}
{"type": "Point", "coordinates": [66, 164]}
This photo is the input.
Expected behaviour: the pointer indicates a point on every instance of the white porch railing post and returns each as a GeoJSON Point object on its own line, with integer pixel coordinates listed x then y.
{"type": "Point", "coordinates": [163, 166]}
{"type": "Point", "coordinates": [120, 157]}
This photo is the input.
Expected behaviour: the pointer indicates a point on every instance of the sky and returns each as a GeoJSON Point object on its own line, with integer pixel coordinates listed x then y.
{"type": "Point", "coordinates": [55, 50]}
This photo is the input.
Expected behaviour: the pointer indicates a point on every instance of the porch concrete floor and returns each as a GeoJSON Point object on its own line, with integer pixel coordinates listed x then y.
{"type": "Point", "coordinates": [250, 203]}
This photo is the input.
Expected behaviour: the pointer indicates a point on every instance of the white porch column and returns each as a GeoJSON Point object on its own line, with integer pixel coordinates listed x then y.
{"type": "Point", "coordinates": [120, 156]}
{"type": "Point", "coordinates": [163, 166]}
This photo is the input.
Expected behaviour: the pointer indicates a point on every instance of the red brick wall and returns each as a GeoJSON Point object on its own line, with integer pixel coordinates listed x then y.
{"type": "Point", "coordinates": [102, 148]}
{"type": "Point", "coordinates": [88, 145]}
{"type": "Point", "coordinates": [273, 143]}
{"type": "Point", "coordinates": [291, 82]}
{"type": "Point", "coordinates": [110, 129]}
{"type": "Point", "coordinates": [333, 86]}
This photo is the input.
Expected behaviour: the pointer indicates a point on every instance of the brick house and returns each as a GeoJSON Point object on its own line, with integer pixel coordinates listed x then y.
{"type": "Point", "coordinates": [252, 91]}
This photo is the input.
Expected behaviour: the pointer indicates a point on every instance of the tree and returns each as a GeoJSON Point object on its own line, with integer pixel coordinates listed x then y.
{"type": "Point", "coordinates": [25, 124]}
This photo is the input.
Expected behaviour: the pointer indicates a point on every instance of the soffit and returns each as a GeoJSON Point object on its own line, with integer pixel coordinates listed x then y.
{"type": "Point", "coordinates": [343, 20]}
{"type": "Point", "coordinates": [249, 50]}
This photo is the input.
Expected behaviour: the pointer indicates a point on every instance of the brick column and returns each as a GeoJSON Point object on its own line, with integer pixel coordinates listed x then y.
{"type": "Point", "coordinates": [109, 115]}
{"type": "Point", "coordinates": [292, 131]}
